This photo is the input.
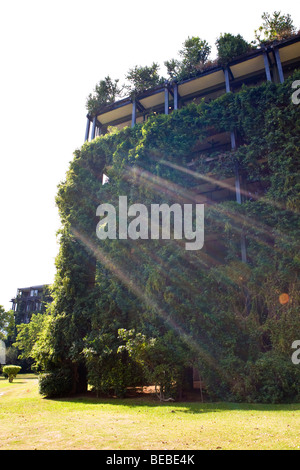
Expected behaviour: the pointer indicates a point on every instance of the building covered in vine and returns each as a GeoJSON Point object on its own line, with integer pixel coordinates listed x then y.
{"type": "Point", "coordinates": [221, 319]}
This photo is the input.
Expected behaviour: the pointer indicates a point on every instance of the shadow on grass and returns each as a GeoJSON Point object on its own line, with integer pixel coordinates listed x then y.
{"type": "Point", "coordinates": [22, 379]}
{"type": "Point", "coordinates": [195, 407]}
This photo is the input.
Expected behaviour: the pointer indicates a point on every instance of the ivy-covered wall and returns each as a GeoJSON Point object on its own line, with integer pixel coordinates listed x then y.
{"type": "Point", "coordinates": [156, 309]}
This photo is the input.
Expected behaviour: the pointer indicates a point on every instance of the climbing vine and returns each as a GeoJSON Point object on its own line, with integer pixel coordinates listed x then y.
{"type": "Point", "coordinates": [130, 312]}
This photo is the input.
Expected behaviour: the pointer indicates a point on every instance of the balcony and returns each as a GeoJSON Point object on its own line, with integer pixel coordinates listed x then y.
{"type": "Point", "coordinates": [274, 63]}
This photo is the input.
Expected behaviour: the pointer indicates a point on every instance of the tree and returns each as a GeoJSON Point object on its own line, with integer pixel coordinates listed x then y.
{"type": "Point", "coordinates": [33, 339]}
{"type": "Point", "coordinates": [194, 54]}
{"type": "Point", "coordinates": [11, 372]}
{"type": "Point", "coordinates": [7, 324]}
{"type": "Point", "coordinates": [194, 51]}
{"type": "Point", "coordinates": [106, 91]}
{"type": "Point", "coordinates": [274, 27]}
{"type": "Point", "coordinates": [143, 78]}
{"type": "Point", "coordinates": [230, 46]}
{"type": "Point", "coordinates": [162, 359]}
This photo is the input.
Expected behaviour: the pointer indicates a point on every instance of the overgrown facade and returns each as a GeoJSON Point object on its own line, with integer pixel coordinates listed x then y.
{"type": "Point", "coordinates": [128, 312]}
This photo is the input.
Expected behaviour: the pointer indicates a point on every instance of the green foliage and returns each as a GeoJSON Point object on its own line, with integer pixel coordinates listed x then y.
{"type": "Point", "coordinates": [32, 340]}
{"type": "Point", "coordinates": [274, 27]}
{"type": "Point", "coordinates": [109, 369]}
{"type": "Point", "coordinates": [229, 47]}
{"type": "Point", "coordinates": [143, 78]}
{"type": "Point", "coordinates": [11, 371]}
{"type": "Point", "coordinates": [272, 379]}
{"type": "Point", "coordinates": [154, 308]}
{"type": "Point", "coordinates": [11, 355]}
{"type": "Point", "coordinates": [194, 55]}
{"type": "Point", "coordinates": [162, 359]}
{"type": "Point", "coordinates": [7, 325]}
{"type": "Point", "coordinates": [57, 383]}
{"type": "Point", "coordinates": [106, 92]}
{"type": "Point", "coordinates": [173, 67]}
{"type": "Point", "coordinates": [2, 321]}
{"type": "Point", "coordinates": [194, 50]}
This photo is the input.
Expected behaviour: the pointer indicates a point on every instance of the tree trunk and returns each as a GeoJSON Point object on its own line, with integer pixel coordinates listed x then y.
{"type": "Point", "coordinates": [79, 373]}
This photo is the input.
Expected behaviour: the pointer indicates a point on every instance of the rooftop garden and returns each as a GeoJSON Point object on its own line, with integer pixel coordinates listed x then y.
{"type": "Point", "coordinates": [194, 58]}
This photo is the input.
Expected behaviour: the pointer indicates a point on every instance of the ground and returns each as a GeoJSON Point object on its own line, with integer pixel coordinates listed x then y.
{"type": "Point", "coordinates": [29, 421]}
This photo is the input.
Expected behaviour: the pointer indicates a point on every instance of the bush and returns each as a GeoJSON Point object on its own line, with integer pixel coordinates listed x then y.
{"type": "Point", "coordinates": [229, 47]}
{"type": "Point", "coordinates": [143, 78]}
{"type": "Point", "coordinates": [194, 55]}
{"type": "Point", "coordinates": [11, 372]}
{"type": "Point", "coordinates": [106, 92]}
{"type": "Point", "coordinates": [114, 375]}
{"type": "Point", "coordinates": [57, 383]}
{"type": "Point", "coordinates": [273, 378]}
{"type": "Point", "coordinates": [275, 27]}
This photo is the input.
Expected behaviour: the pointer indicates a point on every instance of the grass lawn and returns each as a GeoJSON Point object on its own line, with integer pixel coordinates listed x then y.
{"type": "Point", "coordinates": [28, 421]}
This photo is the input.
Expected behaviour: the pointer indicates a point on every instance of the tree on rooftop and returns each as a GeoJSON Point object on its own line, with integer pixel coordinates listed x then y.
{"type": "Point", "coordinates": [194, 51]}
{"type": "Point", "coordinates": [230, 46]}
{"type": "Point", "coordinates": [194, 54]}
{"type": "Point", "coordinates": [106, 92]}
{"type": "Point", "coordinates": [275, 26]}
{"type": "Point", "coordinates": [142, 78]}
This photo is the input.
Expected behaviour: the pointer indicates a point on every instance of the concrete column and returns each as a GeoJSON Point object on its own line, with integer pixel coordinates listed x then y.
{"type": "Point", "coordinates": [267, 67]}
{"type": "Point", "coordinates": [133, 117]}
{"type": "Point", "coordinates": [98, 133]}
{"type": "Point", "coordinates": [87, 130]}
{"type": "Point", "coordinates": [175, 89]}
{"type": "Point", "coordinates": [227, 80]}
{"type": "Point", "coordinates": [166, 99]}
{"type": "Point", "coordinates": [94, 128]}
{"type": "Point", "coordinates": [279, 66]}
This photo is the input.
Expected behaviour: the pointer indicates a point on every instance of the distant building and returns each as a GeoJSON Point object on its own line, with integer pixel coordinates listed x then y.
{"type": "Point", "coordinates": [30, 300]}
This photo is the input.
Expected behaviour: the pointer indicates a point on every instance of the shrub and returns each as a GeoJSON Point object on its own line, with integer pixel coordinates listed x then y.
{"type": "Point", "coordinates": [275, 27]}
{"type": "Point", "coordinates": [56, 383]}
{"type": "Point", "coordinates": [11, 372]}
{"type": "Point", "coordinates": [194, 55]}
{"type": "Point", "coordinates": [143, 78]}
{"type": "Point", "coordinates": [106, 92]}
{"type": "Point", "coordinates": [273, 378]}
{"type": "Point", "coordinates": [229, 47]}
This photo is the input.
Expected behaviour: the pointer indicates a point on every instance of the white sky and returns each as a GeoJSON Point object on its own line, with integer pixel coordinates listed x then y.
{"type": "Point", "coordinates": [52, 55]}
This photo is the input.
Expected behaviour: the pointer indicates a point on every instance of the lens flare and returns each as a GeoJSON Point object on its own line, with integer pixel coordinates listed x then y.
{"type": "Point", "coordinates": [284, 298]}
